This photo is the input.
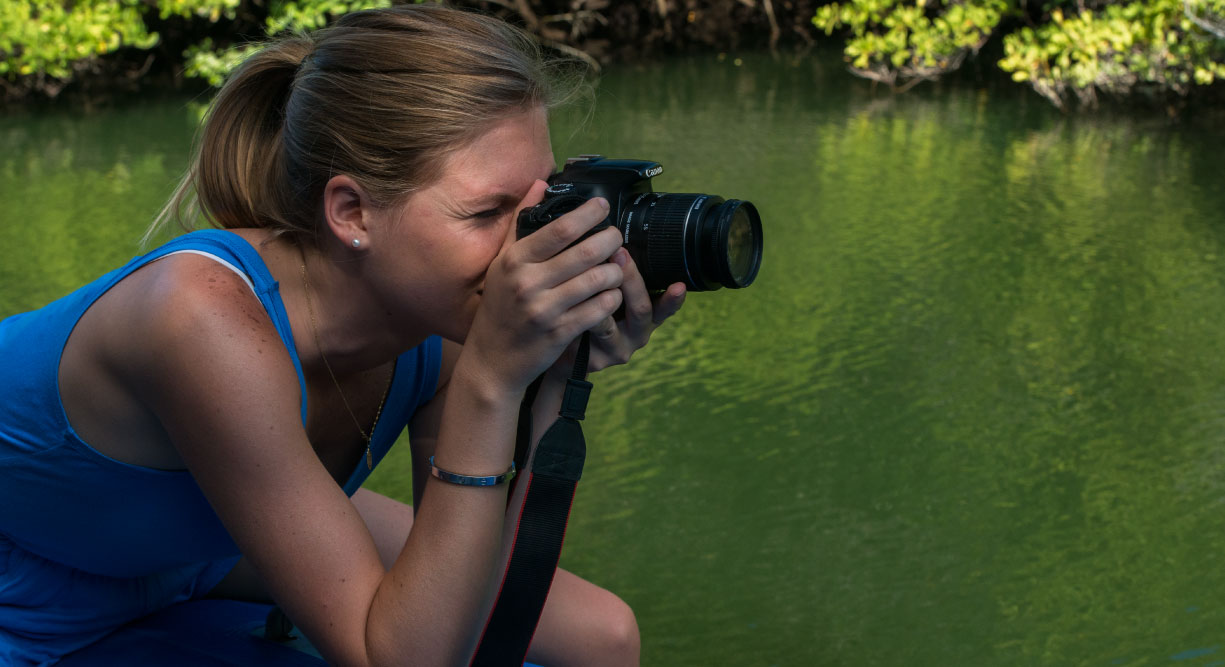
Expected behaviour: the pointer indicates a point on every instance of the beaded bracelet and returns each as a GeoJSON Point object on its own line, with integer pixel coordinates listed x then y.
{"type": "Point", "coordinates": [471, 480]}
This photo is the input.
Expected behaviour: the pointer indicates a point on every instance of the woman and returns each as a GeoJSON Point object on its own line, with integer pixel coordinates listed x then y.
{"type": "Point", "coordinates": [198, 422]}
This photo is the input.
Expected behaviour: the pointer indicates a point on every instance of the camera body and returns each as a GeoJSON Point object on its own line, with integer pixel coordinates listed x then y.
{"type": "Point", "coordinates": [701, 240]}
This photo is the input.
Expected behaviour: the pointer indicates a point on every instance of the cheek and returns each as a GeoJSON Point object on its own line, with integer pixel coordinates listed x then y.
{"type": "Point", "coordinates": [490, 242]}
{"type": "Point", "coordinates": [475, 252]}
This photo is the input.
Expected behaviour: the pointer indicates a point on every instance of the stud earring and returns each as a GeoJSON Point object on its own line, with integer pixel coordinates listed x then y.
{"type": "Point", "coordinates": [357, 243]}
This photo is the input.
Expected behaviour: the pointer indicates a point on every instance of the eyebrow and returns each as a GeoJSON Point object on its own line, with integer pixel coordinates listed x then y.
{"type": "Point", "coordinates": [487, 199]}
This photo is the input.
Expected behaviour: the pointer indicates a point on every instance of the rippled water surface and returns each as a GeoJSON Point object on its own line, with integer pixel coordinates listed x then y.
{"type": "Point", "coordinates": [971, 413]}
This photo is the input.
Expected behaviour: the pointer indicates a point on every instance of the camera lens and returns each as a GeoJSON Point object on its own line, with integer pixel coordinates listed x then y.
{"type": "Point", "coordinates": [740, 242]}
{"type": "Point", "coordinates": [697, 239]}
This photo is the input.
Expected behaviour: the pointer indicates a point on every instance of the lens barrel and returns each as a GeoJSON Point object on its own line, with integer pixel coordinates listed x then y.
{"type": "Point", "coordinates": [700, 240]}
{"type": "Point", "coordinates": [697, 239]}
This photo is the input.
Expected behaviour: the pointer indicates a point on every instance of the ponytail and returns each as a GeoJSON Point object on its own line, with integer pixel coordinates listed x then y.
{"type": "Point", "coordinates": [238, 173]}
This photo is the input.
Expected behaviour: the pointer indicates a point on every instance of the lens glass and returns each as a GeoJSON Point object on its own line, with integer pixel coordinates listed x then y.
{"type": "Point", "coordinates": [700, 240]}
{"type": "Point", "coordinates": [741, 246]}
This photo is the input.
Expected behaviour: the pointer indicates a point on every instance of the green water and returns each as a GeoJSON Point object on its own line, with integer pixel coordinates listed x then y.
{"type": "Point", "coordinates": [971, 413]}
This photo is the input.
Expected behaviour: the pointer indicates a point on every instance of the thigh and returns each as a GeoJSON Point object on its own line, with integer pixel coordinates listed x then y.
{"type": "Point", "coordinates": [583, 624]}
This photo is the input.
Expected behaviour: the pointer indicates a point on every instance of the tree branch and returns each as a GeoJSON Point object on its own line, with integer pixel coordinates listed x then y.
{"type": "Point", "coordinates": [1217, 29]}
{"type": "Point", "coordinates": [571, 51]}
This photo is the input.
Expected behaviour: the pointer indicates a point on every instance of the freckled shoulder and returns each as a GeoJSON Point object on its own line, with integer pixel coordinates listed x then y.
{"type": "Point", "coordinates": [184, 301]}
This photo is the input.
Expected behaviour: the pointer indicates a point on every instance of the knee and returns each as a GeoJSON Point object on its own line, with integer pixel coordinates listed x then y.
{"type": "Point", "coordinates": [622, 643]}
{"type": "Point", "coordinates": [585, 625]}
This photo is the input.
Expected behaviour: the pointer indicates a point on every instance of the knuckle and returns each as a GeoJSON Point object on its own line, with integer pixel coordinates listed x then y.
{"type": "Point", "coordinates": [560, 230]}
{"type": "Point", "coordinates": [618, 355]}
{"type": "Point", "coordinates": [559, 234]}
{"type": "Point", "coordinates": [513, 260]}
{"type": "Point", "coordinates": [609, 300]}
{"type": "Point", "coordinates": [562, 334]}
{"type": "Point", "coordinates": [612, 236]}
{"type": "Point", "coordinates": [537, 315]}
{"type": "Point", "coordinates": [589, 253]}
{"type": "Point", "coordinates": [641, 311]}
{"type": "Point", "coordinates": [522, 291]}
{"type": "Point", "coordinates": [595, 281]}
{"type": "Point", "coordinates": [615, 276]}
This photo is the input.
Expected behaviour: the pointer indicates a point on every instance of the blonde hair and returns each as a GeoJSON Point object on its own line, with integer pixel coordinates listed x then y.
{"type": "Point", "coordinates": [381, 95]}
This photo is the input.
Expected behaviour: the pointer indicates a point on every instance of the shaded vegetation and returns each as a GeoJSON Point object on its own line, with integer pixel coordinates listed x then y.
{"type": "Point", "coordinates": [1166, 45]}
{"type": "Point", "coordinates": [1067, 50]}
{"type": "Point", "coordinates": [48, 46]}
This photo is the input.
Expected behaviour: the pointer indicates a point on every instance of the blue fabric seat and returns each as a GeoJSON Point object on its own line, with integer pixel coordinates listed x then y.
{"type": "Point", "coordinates": [199, 633]}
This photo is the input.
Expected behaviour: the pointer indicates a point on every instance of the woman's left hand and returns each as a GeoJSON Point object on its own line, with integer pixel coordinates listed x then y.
{"type": "Point", "coordinates": [613, 341]}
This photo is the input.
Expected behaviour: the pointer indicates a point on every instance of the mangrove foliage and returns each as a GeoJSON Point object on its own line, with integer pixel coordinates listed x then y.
{"type": "Point", "coordinates": [1068, 51]}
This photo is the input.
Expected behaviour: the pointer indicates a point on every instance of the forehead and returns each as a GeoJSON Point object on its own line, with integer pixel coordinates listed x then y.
{"type": "Point", "coordinates": [509, 156]}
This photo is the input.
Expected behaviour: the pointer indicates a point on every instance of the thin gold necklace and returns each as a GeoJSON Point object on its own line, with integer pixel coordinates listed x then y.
{"type": "Point", "coordinates": [310, 309]}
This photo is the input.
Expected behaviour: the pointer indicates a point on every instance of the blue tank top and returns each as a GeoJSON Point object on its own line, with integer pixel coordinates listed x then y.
{"type": "Point", "coordinates": [64, 501]}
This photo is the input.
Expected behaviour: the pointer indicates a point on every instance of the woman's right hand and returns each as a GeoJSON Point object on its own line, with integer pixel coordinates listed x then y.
{"type": "Point", "coordinates": [540, 294]}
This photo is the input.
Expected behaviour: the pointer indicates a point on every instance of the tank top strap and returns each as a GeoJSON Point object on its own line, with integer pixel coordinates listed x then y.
{"type": "Point", "coordinates": [234, 251]}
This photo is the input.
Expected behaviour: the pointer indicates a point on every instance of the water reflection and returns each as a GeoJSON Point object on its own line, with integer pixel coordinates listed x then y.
{"type": "Point", "coordinates": [971, 412]}
{"type": "Point", "coordinates": [956, 420]}
{"type": "Point", "coordinates": [78, 192]}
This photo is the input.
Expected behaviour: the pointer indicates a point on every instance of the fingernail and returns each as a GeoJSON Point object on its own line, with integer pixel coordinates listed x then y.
{"type": "Point", "coordinates": [620, 256]}
{"type": "Point", "coordinates": [602, 202]}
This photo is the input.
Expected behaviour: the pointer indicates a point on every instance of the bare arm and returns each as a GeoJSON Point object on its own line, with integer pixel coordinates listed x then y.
{"type": "Point", "coordinates": [226, 392]}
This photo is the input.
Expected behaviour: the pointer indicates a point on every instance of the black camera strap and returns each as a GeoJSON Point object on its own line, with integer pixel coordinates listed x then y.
{"type": "Point", "coordinates": [551, 482]}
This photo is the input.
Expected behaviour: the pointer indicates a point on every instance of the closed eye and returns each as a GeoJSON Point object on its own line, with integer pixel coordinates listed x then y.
{"type": "Point", "coordinates": [488, 213]}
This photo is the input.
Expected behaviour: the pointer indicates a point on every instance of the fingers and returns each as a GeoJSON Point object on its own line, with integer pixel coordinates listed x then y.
{"type": "Point", "coordinates": [614, 341]}
{"type": "Point", "coordinates": [534, 196]}
{"type": "Point", "coordinates": [617, 340]}
{"type": "Point", "coordinates": [592, 251]}
{"type": "Point", "coordinates": [607, 328]}
{"type": "Point", "coordinates": [668, 303]}
{"type": "Point", "coordinates": [556, 236]}
{"type": "Point", "coordinates": [639, 310]}
{"type": "Point", "coordinates": [588, 315]}
{"type": "Point", "coordinates": [586, 285]}
{"type": "Point", "coordinates": [642, 313]}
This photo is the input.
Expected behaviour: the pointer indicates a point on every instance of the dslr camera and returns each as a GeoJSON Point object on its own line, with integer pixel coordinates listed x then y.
{"type": "Point", "coordinates": [701, 240]}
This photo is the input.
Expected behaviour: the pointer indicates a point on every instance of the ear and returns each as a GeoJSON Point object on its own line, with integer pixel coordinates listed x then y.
{"type": "Point", "coordinates": [347, 209]}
